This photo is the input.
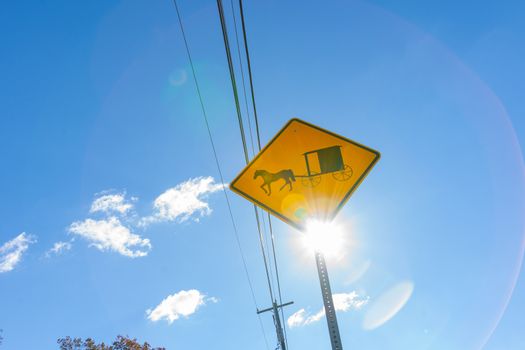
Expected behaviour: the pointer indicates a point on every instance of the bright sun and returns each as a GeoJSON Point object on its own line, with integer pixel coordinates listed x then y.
{"type": "Point", "coordinates": [325, 237]}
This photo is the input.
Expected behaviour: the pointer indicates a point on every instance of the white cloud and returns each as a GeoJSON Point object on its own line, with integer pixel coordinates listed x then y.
{"type": "Point", "coordinates": [183, 303]}
{"type": "Point", "coordinates": [58, 248]}
{"type": "Point", "coordinates": [342, 302]}
{"type": "Point", "coordinates": [347, 301]}
{"type": "Point", "coordinates": [318, 316]}
{"type": "Point", "coordinates": [111, 203]}
{"type": "Point", "coordinates": [11, 252]}
{"type": "Point", "coordinates": [111, 234]}
{"type": "Point", "coordinates": [297, 319]}
{"type": "Point", "coordinates": [302, 318]}
{"type": "Point", "coordinates": [184, 201]}
{"type": "Point", "coordinates": [213, 300]}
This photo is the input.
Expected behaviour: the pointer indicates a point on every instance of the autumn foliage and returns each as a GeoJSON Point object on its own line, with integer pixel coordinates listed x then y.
{"type": "Point", "coordinates": [121, 343]}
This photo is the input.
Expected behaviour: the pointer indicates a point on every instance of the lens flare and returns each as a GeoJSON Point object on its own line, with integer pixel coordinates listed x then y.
{"type": "Point", "coordinates": [325, 237]}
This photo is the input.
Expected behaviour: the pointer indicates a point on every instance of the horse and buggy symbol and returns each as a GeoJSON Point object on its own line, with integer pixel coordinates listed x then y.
{"type": "Point", "coordinates": [329, 161]}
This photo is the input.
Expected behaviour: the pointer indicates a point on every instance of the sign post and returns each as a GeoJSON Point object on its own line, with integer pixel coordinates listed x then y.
{"type": "Point", "coordinates": [304, 174]}
{"type": "Point", "coordinates": [329, 309]}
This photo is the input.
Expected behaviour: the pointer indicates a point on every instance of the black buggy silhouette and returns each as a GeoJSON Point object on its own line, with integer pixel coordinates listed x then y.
{"type": "Point", "coordinates": [330, 162]}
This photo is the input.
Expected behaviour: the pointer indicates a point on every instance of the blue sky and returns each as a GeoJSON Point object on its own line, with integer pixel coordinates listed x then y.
{"type": "Point", "coordinates": [105, 152]}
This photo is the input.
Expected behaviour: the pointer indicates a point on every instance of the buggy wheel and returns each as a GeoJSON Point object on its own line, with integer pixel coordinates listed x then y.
{"type": "Point", "coordinates": [311, 181]}
{"type": "Point", "coordinates": [343, 175]}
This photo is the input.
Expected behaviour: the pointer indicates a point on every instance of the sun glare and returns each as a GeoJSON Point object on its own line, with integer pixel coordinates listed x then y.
{"type": "Point", "coordinates": [325, 237]}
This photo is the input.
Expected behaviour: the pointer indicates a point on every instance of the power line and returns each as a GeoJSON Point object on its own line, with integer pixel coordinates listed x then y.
{"type": "Point", "coordinates": [242, 77]}
{"type": "Point", "coordinates": [277, 277]}
{"type": "Point", "coordinates": [281, 336]}
{"type": "Point", "coordinates": [243, 138]}
{"type": "Point", "coordinates": [265, 233]}
{"type": "Point", "coordinates": [247, 51]}
{"type": "Point", "coordinates": [232, 78]}
{"type": "Point", "coordinates": [251, 141]}
{"type": "Point", "coordinates": [219, 168]}
{"type": "Point", "coordinates": [250, 74]}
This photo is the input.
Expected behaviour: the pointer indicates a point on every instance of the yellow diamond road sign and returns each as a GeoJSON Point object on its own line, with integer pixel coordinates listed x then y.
{"type": "Point", "coordinates": [305, 172]}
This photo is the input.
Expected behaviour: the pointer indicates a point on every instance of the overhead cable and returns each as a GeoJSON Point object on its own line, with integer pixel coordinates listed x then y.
{"type": "Point", "coordinates": [242, 77]}
{"type": "Point", "coordinates": [250, 74]}
{"type": "Point", "coordinates": [243, 137]}
{"type": "Point", "coordinates": [217, 163]}
{"type": "Point", "coordinates": [259, 144]}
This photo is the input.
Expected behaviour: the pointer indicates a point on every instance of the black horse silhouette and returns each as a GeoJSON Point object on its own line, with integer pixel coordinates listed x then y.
{"type": "Point", "coordinates": [268, 178]}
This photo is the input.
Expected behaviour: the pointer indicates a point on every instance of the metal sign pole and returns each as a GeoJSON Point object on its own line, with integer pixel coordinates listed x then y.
{"type": "Point", "coordinates": [329, 308]}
